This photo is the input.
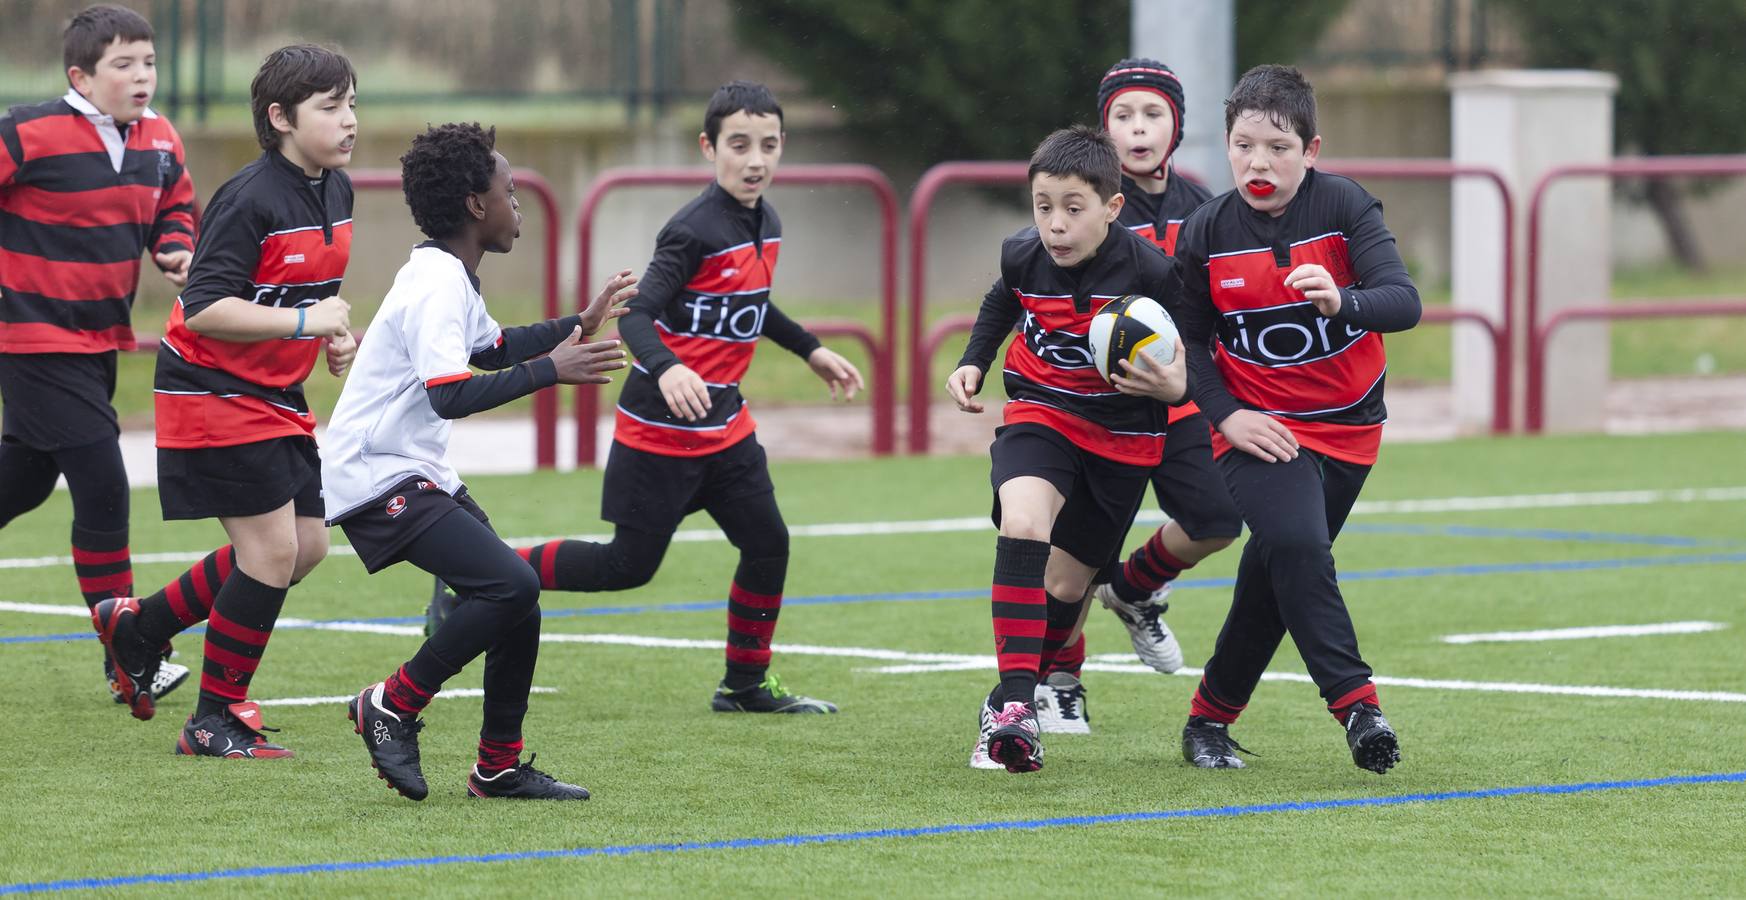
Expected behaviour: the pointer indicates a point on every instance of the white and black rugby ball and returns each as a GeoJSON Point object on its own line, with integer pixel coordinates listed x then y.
{"type": "Point", "coordinates": [1128, 326]}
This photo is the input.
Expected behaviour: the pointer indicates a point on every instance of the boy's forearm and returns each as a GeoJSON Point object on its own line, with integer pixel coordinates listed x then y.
{"type": "Point", "coordinates": [237, 320]}
{"type": "Point", "coordinates": [459, 399]}
{"type": "Point", "coordinates": [638, 331]}
{"type": "Point", "coordinates": [994, 321]}
{"type": "Point", "coordinates": [789, 334]}
{"type": "Point", "coordinates": [524, 342]}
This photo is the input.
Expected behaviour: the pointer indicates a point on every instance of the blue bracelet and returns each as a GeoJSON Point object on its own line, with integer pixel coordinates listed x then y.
{"type": "Point", "coordinates": [299, 332]}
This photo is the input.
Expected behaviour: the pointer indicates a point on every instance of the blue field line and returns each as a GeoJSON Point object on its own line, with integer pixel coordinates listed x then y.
{"type": "Point", "coordinates": [1572, 565]}
{"type": "Point", "coordinates": [845, 837]}
{"type": "Point", "coordinates": [1537, 534]}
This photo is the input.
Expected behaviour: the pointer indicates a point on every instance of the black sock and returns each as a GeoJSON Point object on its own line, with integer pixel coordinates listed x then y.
{"type": "Point", "coordinates": [1020, 616]}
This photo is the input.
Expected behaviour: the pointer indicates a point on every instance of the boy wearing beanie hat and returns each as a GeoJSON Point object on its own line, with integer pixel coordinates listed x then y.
{"type": "Point", "coordinates": [1140, 104]}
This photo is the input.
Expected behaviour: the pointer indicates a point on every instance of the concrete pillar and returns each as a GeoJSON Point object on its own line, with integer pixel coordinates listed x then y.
{"type": "Point", "coordinates": [1523, 123]}
{"type": "Point", "coordinates": [1197, 39]}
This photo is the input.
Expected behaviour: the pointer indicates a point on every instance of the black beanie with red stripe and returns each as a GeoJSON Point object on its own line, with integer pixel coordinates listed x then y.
{"type": "Point", "coordinates": [1145, 74]}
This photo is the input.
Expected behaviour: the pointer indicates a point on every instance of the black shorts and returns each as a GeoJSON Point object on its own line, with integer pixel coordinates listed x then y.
{"type": "Point", "coordinates": [1190, 487]}
{"type": "Point", "coordinates": [1102, 496]}
{"type": "Point", "coordinates": [654, 493]}
{"type": "Point", "coordinates": [382, 529]}
{"type": "Point", "coordinates": [53, 401]}
{"type": "Point", "coordinates": [243, 480]}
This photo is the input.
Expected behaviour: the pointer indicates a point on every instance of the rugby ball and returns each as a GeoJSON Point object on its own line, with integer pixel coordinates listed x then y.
{"type": "Point", "coordinates": [1128, 326]}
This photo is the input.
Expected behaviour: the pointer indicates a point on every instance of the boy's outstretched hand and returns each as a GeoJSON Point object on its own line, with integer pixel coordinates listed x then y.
{"type": "Point", "coordinates": [837, 372]}
{"type": "Point", "coordinates": [342, 348]}
{"type": "Point", "coordinates": [579, 363]}
{"type": "Point", "coordinates": [609, 303]}
{"type": "Point", "coordinates": [174, 265]}
{"type": "Point", "coordinates": [962, 385]}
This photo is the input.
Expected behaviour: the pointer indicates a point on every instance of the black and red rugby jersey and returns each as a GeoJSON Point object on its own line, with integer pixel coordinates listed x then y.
{"type": "Point", "coordinates": [1269, 348]}
{"type": "Point", "coordinates": [272, 236]}
{"type": "Point", "coordinates": [707, 294]}
{"type": "Point", "coordinates": [1050, 378]}
{"type": "Point", "coordinates": [1158, 218]}
{"type": "Point", "coordinates": [72, 228]}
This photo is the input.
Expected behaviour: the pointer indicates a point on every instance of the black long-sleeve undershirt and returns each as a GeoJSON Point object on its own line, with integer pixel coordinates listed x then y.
{"type": "Point", "coordinates": [516, 353]}
{"type": "Point", "coordinates": [995, 321]}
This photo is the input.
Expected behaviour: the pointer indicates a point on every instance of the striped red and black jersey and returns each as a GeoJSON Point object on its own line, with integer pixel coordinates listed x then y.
{"type": "Point", "coordinates": [274, 237]}
{"type": "Point", "coordinates": [1158, 218]}
{"type": "Point", "coordinates": [1254, 344]}
{"type": "Point", "coordinates": [73, 227]}
{"type": "Point", "coordinates": [703, 303]}
{"type": "Point", "coordinates": [1049, 375]}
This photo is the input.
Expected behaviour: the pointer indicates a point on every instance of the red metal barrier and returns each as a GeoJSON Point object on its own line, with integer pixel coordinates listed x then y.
{"type": "Point", "coordinates": [528, 181]}
{"type": "Point", "coordinates": [1628, 166]}
{"type": "Point", "coordinates": [880, 348]}
{"type": "Point", "coordinates": [926, 344]}
{"type": "Point", "coordinates": [1630, 309]}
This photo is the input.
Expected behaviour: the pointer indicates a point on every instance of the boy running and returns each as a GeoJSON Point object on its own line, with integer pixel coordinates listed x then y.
{"type": "Point", "coordinates": [1292, 278]}
{"type": "Point", "coordinates": [87, 183]}
{"type": "Point", "coordinates": [234, 431]}
{"type": "Point", "coordinates": [1071, 462]}
{"type": "Point", "coordinates": [389, 482]}
{"type": "Point", "coordinates": [685, 440]}
{"type": "Point", "coordinates": [1140, 104]}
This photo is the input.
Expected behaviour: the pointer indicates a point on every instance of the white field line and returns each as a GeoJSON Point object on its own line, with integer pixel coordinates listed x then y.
{"type": "Point", "coordinates": [451, 694]}
{"type": "Point", "coordinates": [46, 609]}
{"type": "Point", "coordinates": [1595, 631]}
{"type": "Point", "coordinates": [919, 663]}
{"type": "Point", "coordinates": [981, 523]}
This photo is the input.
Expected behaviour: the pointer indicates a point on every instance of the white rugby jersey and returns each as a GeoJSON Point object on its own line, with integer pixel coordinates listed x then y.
{"type": "Point", "coordinates": [384, 429]}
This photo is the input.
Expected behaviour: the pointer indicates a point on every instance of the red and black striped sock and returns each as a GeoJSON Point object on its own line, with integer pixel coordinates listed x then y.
{"type": "Point", "coordinates": [102, 564]}
{"type": "Point", "coordinates": [1060, 618]}
{"type": "Point", "coordinates": [243, 614]}
{"type": "Point", "coordinates": [1342, 707]}
{"type": "Point", "coordinates": [1208, 706]}
{"type": "Point", "coordinates": [495, 756]}
{"type": "Point", "coordinates": [751, 620]}
{"type": "Point", "coordinates": [405, 695]}
{"type": "Point", "coordinates": [187, 601]}
{"type": "Point", "coordinates": [544, 559]}
{"type": "Point", "coordinates": [1020, 615]}
{"type": "Point", "coordinates": [1069, 659]}
{"type": "Point", "coordinates": [1147, 570]}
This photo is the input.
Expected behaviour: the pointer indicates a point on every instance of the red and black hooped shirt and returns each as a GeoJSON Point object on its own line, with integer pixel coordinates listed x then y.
{"type": "Point", "coordinates": [1050, 378]}
{"type": "Point", "coordinates": [1254, 344]}
{"type": "Point", "coordinates": [275, 237]}
{"type": "Point", "coordinates": [1158, 218]}
{"type": "Point", "coordinates": [703, 303]}
{"type": "Point", "coordinates": [73, 225]}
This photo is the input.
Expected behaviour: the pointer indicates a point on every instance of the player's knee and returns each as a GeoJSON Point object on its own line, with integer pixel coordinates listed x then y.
{"type": "Point", "coordinates": [631, 567]}
{"type": "Point", "coordinates": [311, 550]}
{"type": "Point", "coordinates": [1208, 546]}
{"type": "Point", "coordinates": [1024, 525]}
{"type": "Point", "coordinates": [771, 544]}
{"type": "Point", "coordinates": [269, 561]}
{"type": "Point", "coordinates": [1298, 546]}
{"type": "Point", "coordinates": [1067, 586]}
{"type": "Point", "coordinates": [521, 588]}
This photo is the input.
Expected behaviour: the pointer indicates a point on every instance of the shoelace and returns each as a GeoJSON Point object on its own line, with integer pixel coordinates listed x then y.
{"type": "Point", "coordinates": [1013, 713]}
{"type": "Point", "coordinates": [774, 686]}
{"type": "Point", "coordinates": [527, 770]}
{"type": "Point", "coordinates": [1224, 737]}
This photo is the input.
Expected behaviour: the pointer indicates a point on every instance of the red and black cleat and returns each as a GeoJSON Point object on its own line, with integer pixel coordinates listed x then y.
{"type": "Point", "coordinates": [135, 663]}
{"type": "Point", "coordinates": [391, 739]}
{"type": "Point", "coordinates": [235, 732]}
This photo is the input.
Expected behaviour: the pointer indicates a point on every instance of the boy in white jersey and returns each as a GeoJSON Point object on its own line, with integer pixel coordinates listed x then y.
{"type": "Point", "coordinates": [388, 480]}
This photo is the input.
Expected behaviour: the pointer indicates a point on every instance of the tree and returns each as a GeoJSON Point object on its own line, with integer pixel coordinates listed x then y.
{"type": "Point", "coordinates": [1678, 63]}
{"type": "Point", "coordinates": [980, 79]}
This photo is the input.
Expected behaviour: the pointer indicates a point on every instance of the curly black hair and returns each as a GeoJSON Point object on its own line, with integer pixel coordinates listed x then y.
{"type": "Point", "coordinates": [445, 164]}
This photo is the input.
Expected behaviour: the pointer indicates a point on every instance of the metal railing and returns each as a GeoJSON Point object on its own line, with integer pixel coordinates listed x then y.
{"type": "Point", "coordinates": [925, 342]}
{"type": "Point", "coordinates": [1650, 167]}
{"type": "Point", "coordinates": [881, 347]}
